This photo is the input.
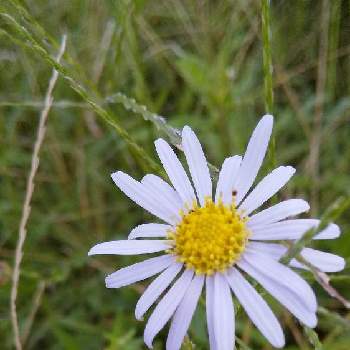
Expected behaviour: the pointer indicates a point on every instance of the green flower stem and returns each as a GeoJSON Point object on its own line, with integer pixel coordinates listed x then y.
{"type": "Point", "coordinates": [267, 59]}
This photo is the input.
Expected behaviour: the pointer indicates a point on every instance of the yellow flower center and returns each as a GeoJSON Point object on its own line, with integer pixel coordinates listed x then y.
{"type": "Point", "coordinates": [209, 238]}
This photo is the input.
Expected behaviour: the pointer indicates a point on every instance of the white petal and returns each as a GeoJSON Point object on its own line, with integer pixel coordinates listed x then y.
{"type": "Point", "coordinates": [227, 179]}
{"type": "Point", "coordinates": [292, 229]}
{"type": "Point", "coordinates": [256, 308]}
{"type": "Point", "coordinates": [170, 199]}
{"type": "Point", "coordinates": [126, 247]}
{"type": "Point", "coordinates": [183, 315]}
{"type": "Point", "coordinates": [143, 196]}
{"type": "Point", "coordinates": [288, 229]}
{"type": "Point", "coordinates": [197, 164]}
{"type": "Point", "coordinates": [149, 230]}
{"type": "Point", "coordinates": [279, 212]}
{"type": "Point", "coordinates": [325, 262]}
{"type": "Point", "coordinates": [284, 295]}
{"type": "Point", "coordinates": [266, 188]}
{"type": "Point", "coordinates": [223, 314]}
{"type": "Point", "coordinates": [254, 156]}
{"type": "Point", "coordinates": [274, 250]}
{"type": "Point", "coordinates": [296, 298]}
{"type": "Point", "coordinates": [155, 289]}
{"type": "Point", "coordinates": [139, 271]}
{"type": "Point", "coordinates": [166, 307]}
{"type": "Point", "coordinates": [209, 305]}
{"type": "Point", "coordinates": [176, 172]}
{"type": "Point", "coordinates": [330, 232]}
{"type": "Point", "coordinates": [283, 276]}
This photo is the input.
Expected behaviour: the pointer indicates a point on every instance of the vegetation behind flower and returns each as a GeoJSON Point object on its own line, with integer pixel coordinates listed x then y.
{"type": "Point", "coordinates": [197, 63]}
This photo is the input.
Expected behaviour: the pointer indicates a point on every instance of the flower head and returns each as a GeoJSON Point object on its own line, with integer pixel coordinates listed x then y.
{"type": "Point", "coordinates": [211, 240]}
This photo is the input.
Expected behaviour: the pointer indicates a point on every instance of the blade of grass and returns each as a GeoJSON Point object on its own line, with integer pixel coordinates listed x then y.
{"type": "Point", "coordinates": [26, 39]}
{"type": "Point", "coordinates": [334, 317]}
{"type": "Point", "coordinates": [39, 32]}
{"type": "Point", "coordinates": [160, 122]}
{"type": "Point", "coordinates": [313, 338]}
{"type": "Point", "coordinates": [242, 345]}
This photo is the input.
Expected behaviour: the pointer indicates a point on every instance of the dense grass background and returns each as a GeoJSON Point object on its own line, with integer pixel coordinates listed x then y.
{"type": "Point", "coordinates": [195, 62]}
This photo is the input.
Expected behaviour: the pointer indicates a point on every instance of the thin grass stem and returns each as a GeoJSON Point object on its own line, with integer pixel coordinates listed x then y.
{"type": "Point", "coordinates": [28, 197]}
{"type": "Point", "coordinates": [267, 56]}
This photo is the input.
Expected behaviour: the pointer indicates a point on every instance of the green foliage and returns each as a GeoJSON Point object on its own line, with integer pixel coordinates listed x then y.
{"type": "Point", "coordinates": [202, 63]}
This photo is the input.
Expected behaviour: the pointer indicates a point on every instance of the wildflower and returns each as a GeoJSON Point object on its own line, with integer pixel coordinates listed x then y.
{"type": "Point", "coordinates": [212, 240]}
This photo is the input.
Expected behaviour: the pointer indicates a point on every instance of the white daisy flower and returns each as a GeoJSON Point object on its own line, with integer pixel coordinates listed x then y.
{"type": "Point", "coordinates": [211, 240]}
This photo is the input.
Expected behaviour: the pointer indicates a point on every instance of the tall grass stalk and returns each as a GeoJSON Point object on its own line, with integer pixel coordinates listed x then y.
{"type": "Point", "coordinates": [28, 197]}
{"type": "Point", "coordinates": [267, 56]}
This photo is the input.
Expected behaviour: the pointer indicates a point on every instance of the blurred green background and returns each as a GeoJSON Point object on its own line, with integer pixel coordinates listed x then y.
{"type": "Point", "coordinates": [194, 62]}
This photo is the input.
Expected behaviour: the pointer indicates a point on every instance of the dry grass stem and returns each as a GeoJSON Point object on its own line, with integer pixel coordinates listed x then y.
{"type": "Point", "coordinates": [28, 196]}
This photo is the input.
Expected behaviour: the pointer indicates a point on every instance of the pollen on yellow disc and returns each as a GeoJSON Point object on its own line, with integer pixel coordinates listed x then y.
{"type": "Point", "coordinates": [209, 238]}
